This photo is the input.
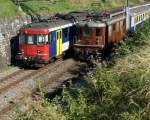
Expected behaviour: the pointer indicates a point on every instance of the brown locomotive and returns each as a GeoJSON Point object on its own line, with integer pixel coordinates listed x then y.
{"type": "Point", "coordinates": [101, 30]}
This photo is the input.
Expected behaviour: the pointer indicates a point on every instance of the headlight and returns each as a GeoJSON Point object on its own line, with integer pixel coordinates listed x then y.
{"type": "Point", "coordinates": [39, 51]}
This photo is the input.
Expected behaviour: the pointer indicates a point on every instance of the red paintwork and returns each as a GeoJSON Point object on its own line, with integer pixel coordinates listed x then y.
{"type": "Point", "coordinates": [31, 50]}
{"type": "Point", "coordinates": [34, 31]}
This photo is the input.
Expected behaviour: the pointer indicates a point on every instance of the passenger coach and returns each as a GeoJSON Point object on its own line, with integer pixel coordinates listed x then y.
{"type": "Point", "coordinates": [138, 15]}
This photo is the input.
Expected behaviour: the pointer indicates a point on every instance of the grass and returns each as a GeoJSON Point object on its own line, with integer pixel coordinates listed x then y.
{"type": "Point", "coordinates": [8, 9]}
{"type": "Point", "coordinates": [45, 7]}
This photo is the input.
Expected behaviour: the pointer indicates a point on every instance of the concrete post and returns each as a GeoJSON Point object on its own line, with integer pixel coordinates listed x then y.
{"type": "Point", "coordinates": [127, 10]}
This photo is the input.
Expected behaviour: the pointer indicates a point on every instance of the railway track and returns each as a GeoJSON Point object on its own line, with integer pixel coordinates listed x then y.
{"type": "Point", "coordinates": [24, 81]}
{"type": "Point", "coordinates": [15, 78]}
{"type": "Point", "coordinates": [10, 75]}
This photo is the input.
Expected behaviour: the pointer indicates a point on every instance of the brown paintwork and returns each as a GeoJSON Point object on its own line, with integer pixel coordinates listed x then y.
{"type": "Point", "coordinates": [92, 39]}
{"type": "Point", "coordinates": [117, 34]}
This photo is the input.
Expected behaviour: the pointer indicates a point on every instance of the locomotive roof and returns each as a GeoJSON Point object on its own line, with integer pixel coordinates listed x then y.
{"type": "Point", "coordinates": [92, 24]}
{"type": "Point", "coordinates": [80, 15]}
{"type": "Point", "coordinates": [115, 11]}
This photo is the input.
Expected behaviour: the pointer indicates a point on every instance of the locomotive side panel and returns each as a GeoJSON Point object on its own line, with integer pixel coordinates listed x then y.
{"type": "Point", "coordinates": [116, 32]}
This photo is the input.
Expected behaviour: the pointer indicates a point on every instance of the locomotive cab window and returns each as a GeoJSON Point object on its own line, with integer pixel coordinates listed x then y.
{"type": "Point", "coordinates": [86, 31]}
{"type": "Point", "coordinates": [98, 32]}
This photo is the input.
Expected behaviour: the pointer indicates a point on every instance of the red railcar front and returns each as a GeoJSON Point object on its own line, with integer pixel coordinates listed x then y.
{"type": "Point", "coordinates": [33, 46]}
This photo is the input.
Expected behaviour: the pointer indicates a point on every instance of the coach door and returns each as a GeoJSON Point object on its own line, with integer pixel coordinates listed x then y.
{"type": "Point", "coordinates": [59, 42]}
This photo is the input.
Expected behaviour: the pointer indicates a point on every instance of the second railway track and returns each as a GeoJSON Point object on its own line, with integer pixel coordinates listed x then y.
{"type": "Point", "coordinates": [13, 79]}
{"type": "Point", "coordinates": [23, 82]}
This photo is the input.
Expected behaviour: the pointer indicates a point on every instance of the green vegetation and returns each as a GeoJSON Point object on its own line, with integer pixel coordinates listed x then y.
{"type": "Point", "coordinates": [44, 7]}
{"type": "Point", "coordinates": [7, 8]}
{"type": "Point", "coordinates": [120, 91]}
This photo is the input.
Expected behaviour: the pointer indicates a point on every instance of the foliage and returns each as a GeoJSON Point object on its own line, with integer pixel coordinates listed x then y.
{"type": "Point", "coordinates": [37, 110]}
{"type": "Point", "coordinates": [8, 8]}
{"type": "Point", "coordinates": [55, 6]}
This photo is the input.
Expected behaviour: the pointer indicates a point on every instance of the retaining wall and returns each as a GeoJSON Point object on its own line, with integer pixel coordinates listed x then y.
{"type": "Point", "coordinates": [9, 29]}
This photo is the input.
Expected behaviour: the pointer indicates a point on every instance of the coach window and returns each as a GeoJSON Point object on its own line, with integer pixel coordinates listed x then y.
{"type": "Point", "coordinates": [49, 38]}
{"type": "Point", "coordinates": [139, 18]}
{"type": "Point", "coordinates": [65, 31]}
{"type": "Point", "coordinates": [135, 19]}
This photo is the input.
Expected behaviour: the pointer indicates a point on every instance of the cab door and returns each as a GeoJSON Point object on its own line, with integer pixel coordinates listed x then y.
{"type": "Point", "coordinates": [58, 42]}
